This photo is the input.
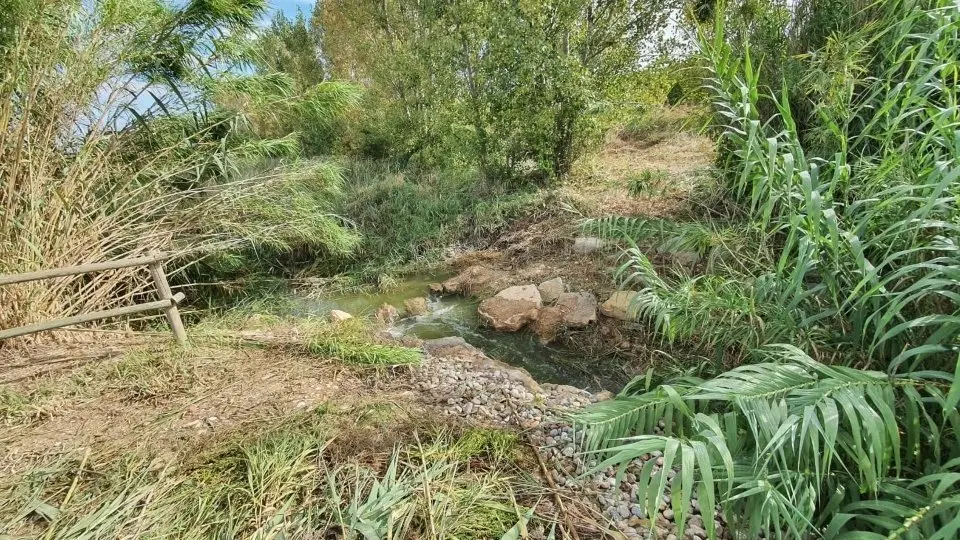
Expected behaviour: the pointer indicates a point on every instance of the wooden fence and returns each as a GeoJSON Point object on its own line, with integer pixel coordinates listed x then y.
{"type": "Point", "coordinates": [167, 302]}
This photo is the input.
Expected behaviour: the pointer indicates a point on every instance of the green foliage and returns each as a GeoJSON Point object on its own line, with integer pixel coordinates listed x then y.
{"type": "Point", "coordinates": [290, 47]}
{"type": "Point", "coordinates": [645, 182]}
{"type": "Point", "coordinates": [516, 89]}
{"type": "Point", "coordinates": [278, 483]}
{"type": "Point", "coordinates": [161, 138]}
{"type": "Point", "coordinates": [795, 448]}
{"type": "Point", "coordinates": [349, 342]}
{"type": "Point", "coordinates": [14, 406]}
{"type": "Point", "coordinates": [837, 236]}
{"type": "Point", "coordinates": [409, 216]}
{"type": "Point", "coordinates": [495, 444]}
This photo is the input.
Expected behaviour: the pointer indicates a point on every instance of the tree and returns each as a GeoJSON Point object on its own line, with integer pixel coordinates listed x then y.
{"type": "Point", "coordinates": [513, 87]}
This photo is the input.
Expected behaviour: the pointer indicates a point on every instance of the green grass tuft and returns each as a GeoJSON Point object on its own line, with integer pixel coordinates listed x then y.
{"type": "Point", "coordinates": [646, 182]}
{"type": "Point", "coordinates": [365, 354]}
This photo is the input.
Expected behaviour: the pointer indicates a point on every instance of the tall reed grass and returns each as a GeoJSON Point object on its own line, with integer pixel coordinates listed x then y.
{"type": "Point", "coordinates": [125, 133]}
{"type": "Point", "coordinates": [840, 277]}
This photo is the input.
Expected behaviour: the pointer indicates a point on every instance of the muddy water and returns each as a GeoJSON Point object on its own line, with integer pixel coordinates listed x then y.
{"type": "Point", "coordinates": [457, 316]}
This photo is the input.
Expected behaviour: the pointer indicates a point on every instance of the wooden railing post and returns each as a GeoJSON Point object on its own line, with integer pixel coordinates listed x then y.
{"type": "Point", "coordinates": [172, 313]}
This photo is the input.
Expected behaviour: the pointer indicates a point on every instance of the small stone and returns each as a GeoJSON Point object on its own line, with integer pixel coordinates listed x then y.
{"type": "Point", "coordinates": [337, 316]}
{"type": "Point", "coordinates": [620, 306]}
{"type": "Point", "coordinates": [436, 289]}
{"type": "Point", "coordinates": [660, 461]}
{"type": "Point", "coordinates": [605, 395]}
{"type": "Point", "coordinates": [668, 513]}
{"type": "Point", "coordinates": [578, 309]}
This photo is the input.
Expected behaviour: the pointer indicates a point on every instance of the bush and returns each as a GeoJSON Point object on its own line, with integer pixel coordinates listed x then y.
{"type": "Point", "coordinates": [409, 216]}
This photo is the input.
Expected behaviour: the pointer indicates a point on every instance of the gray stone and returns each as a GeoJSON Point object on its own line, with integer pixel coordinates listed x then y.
{"type": "Point", "coordinates": [579, 309]}
{"type": "Point", "coordinates": [686, 259]}
{"type": "Point", "coordinates": [449, 346]}
{"type": "Point", "coordinates": [587, 244]}
{"type": "Point", "coordinates": [512, 308]}
{"type": "Point", "coordinates": [619, 306]}
{"type": "Point", "coordinates": [550, 290]}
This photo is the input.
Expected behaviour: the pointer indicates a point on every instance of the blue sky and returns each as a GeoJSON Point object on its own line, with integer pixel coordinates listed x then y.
{"type": "Point", "coordinates": [289, 7]}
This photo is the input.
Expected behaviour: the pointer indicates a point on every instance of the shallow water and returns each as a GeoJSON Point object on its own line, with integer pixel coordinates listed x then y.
{"type": "Point", "coordinates": [457, 316]}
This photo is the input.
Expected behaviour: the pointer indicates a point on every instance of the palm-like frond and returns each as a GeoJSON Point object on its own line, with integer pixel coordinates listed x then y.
{"type": "Point", "coordinates": [776, 442]}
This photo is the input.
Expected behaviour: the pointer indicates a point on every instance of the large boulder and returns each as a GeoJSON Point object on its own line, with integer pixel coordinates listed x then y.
{"type": "Point", "coordinates": [548, 324]}
{"type": "Point", "coordinates": [550, 290]}
{"type": "Point", "coordinates": [512, 308]}
{"type": "Point", "coordinates": [620, 306]}
{"type": "Point", "coordinates": [416, 306]}
{"type": "Point", "coordinates": [449, 347]}
{"type": "Point", "coordinates": [578, 309]}
{"type": "Point", "coordinates": [387, 314]}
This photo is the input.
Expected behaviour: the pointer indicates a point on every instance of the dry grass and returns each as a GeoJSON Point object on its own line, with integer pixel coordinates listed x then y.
{"type": "Point", "coordinates": [244, 437]}
{"type": "Point", "coordinates": [86, 180]}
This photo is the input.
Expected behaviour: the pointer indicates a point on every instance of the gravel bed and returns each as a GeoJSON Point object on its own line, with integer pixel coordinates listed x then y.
{"type": "Point", "coordinates": [463, 382]}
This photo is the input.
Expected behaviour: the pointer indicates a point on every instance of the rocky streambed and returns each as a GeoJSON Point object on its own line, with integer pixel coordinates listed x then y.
{"type": "Point", "coordinates": [518, 323]}
{"type": "Point", "coordinates": [461, 381]}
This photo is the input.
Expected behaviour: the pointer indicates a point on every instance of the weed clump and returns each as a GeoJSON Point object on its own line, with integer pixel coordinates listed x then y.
{"type": "Point", "coordinates": [350, 343]}
{"type": "Point", "coordinates": [646, 182]}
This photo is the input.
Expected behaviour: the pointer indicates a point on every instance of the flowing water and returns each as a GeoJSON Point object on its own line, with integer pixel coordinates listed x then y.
{"type": "Point", "coordinates": [457, 316]}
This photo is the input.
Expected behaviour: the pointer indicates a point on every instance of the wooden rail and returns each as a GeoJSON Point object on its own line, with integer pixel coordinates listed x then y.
{"type": "Point", "coordinates": [168, 301]}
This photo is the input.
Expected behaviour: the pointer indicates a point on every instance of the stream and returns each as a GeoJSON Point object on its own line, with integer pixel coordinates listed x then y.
{"type": "Point", "coordinates": [457, 316]}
